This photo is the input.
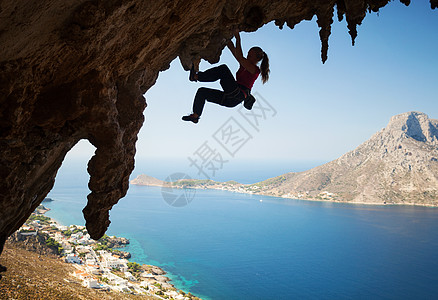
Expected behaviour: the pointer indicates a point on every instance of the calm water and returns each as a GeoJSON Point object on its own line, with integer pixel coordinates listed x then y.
{"type": "Point", "coordinates": [226, 245]}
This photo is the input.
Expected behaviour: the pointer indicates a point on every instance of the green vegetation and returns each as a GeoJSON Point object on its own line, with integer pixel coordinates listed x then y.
{"type": "Point", "coordinates": [43, 219]}
{"type": "Point", "coordinates": [102, 244]}
{"type": "Point", "coordinates": [69, 232]}
{"type": "Point", "coordinates": [272, 181]}
{"type": "Point", "coordinates": [104, 280]}
{"type": "Point", "coordinates": [104, 239]}
{"type": "Point", "coordinates": [115, 251]}
{"type": "Point", "coordinates": [193, 182]}
{"type": "Point", "coordinates": [134, 267]}
{"type": "Point", "coordinates": [51, 243]}
{"type": "Point", "coordinates": [232, 182]}
{"type": "Point", "coordinates": [99, 246]}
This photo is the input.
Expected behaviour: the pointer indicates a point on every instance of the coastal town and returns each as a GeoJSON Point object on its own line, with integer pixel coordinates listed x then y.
{"type": "Point", "coordinates": [259, 188]}
{"type": "Point", "coordinates": [98, 264]}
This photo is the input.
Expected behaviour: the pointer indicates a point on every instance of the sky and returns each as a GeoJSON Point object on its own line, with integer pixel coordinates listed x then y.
{"type": "Point", "coordinates": [317, 111]}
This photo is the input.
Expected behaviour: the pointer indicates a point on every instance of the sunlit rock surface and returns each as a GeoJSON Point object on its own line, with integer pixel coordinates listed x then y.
{"type": "Point", "coordinates": [72, 70]}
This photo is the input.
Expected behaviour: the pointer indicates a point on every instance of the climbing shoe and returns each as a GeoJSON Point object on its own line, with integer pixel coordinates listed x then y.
{"type": "Point", "coordinates": [249, 102]}
{"type": "Point", "coordinates": [191, 117]}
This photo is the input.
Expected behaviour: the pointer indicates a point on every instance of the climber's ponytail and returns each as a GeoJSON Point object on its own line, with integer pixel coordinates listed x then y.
{"type": "Point", "coordinates": [264, 68]}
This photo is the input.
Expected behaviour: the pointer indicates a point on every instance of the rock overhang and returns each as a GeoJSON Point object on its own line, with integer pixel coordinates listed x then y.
{"type": "Point", "coordinates": [78, 70]}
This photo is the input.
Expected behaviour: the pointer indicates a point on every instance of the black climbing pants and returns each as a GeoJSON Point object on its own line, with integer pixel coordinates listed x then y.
{"type": "Point", "coordinates": [231, 95]}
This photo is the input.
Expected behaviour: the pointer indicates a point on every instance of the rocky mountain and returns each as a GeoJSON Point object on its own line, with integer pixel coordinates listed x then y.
{"type": "Point", "coordinates": [147, 180]}
{"type": "Point", "coordinates": [399, 165]}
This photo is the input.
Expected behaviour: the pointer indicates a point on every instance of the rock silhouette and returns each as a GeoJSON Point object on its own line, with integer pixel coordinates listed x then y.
{"type": "Point", "coordinates": [73, 70]}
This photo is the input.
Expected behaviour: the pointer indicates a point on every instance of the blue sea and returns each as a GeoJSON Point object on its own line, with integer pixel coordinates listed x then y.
{"type": "Point", "coordinates": [226, 245]}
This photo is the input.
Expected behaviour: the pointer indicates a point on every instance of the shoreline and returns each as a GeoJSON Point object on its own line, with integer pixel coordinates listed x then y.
{"type": "Point", "coordinates": [156, 282]}
{"type": "Point", "coordinates": [292, 198]}
{"type": "Point", "coordinates": [358, 203]}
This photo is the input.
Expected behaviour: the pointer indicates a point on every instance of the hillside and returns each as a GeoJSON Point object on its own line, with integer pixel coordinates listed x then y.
{"type": "Point", "coordinates": [34, 276]}
{"type": "Point", "coordinates": [398, 165]}
{"type": "Point", "coordinates": [147, 180]}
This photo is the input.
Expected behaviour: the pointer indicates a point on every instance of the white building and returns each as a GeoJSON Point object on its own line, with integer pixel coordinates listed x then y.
{"type": "Point", "coordinates": [85, 240]}
{"type": "Point", "coordinates": [93, 269]}
{"type": "Point", "coordinates": [28, 233]}
{"type": "Point", "coordinates": [66, 246]}
{"type": "Point", "coordinates": [76, 236]}
{"type": "Point", "coordinates": [36, 224]}
{"type": "Point", "coordinates": [62, 228]}
{"type": "Point", "coordinates": [72, 259]}
{"type": "Point", "coordinates": [123, 267]}
{"type": "Point", "coordinates": [58, 237]}
{"type": "Point", "coordinates": [129, 276]}
{"type": "Point", "coordinates": [82, 275]}
{"type": "Point", "coordinates": [122, 288]}
{"type": "Point", "coordinates": [109, 261]}
{"type": "Point", "coordinates": [90, 260]}
{"type": "Point", "coordinates": [91, 283]}
{"type": "Point", "coordinates": [82, 249]}
{"type": "Point", "coordinates": [116, 280]}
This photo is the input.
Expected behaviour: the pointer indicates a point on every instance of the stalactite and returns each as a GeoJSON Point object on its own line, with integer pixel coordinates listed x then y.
{"type": "Point", "coordinates": [325, 20]}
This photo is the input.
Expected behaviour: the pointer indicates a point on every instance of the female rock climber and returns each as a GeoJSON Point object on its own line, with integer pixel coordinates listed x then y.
{"type": "Point", "coordinates": [234, 90]}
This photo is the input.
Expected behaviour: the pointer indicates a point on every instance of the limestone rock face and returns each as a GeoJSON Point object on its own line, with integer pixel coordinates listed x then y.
{"type": "Point", "coordinates": [399, 165]}
{"type": "Point", "coordinates": [72, 70]}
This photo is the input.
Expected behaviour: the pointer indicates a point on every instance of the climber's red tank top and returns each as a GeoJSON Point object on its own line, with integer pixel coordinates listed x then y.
{"type": "Point", "coordinates": [245, 78]}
